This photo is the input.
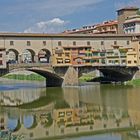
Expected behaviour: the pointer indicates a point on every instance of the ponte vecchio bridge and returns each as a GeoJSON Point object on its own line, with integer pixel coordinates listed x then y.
{"type": "Point", "coordinates": [63, 58]}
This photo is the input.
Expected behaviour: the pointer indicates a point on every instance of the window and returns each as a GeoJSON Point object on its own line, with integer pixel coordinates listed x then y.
{"type": "Point", "coordinates": [120, 13]}
{"type": "Point", "coordinates": [129, 62]}
{"type": "Point", "coordinates": [74, 43]}
{"type": "Point", "coordinates": [115, 42]}
{"type": "Point", "coordinates": [1, 55]}
{"type": "Point", "coordinates": [31, 134]}
{"type": "Point", "coordinates": [11, 43]}
{"type": "Point", "coordinates": [1, 62]}
{"type": "Point", "coordinates": [127, 42]}
{"type": "Point", "coordinates": [28, 43]}
{"type": "Point", "coordinates": [59, 54]}
{"type": "Point", "coordinates": [67, 54]}
{"type": "Point", "coordinates": [135, 61]}
{"type": "Point", "coordinates": [67, 60]}
{"type": "Point", "coordinates": [44, 43]}
{"type": "Point", "coordinates": [102, 42]}
{"type": "Point", "coordinates": [59, 43]}
{"type": "Point", "coordinates": [2, 120]}
{"type": "Point", "coordinates": [47, 133]}
{"type": "Point", "coordinates": [88, 43]}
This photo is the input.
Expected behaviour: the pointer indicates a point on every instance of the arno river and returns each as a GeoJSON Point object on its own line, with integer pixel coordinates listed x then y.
{"type": "Point", "coordinates": [91, 112]}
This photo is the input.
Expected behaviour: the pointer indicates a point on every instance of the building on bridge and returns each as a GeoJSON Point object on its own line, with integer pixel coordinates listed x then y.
{"type": "Point", "coordinates": [86, 55]}
{"type": "Point", "coordinates": [40, 48]}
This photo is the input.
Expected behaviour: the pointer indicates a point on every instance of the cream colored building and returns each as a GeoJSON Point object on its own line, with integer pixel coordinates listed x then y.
{"type": "Point", "coordinates": [132, 24]}
{"type": "Point", "coordinates": [123, 14]}
{"type": "Point", "coordinates": [43, 47]}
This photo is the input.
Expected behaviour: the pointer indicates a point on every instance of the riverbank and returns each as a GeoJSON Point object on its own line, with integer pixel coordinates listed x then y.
{"type": "Point", "coordinates": [135, 82]}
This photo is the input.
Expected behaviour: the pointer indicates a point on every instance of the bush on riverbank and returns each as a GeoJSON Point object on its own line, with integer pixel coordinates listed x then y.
{"type": "Point", "coordinates": [134, 82]}
{"type": "Point", "coordinates": [86, 78]}
{"type": "Point", "coordinates": [31, 77]}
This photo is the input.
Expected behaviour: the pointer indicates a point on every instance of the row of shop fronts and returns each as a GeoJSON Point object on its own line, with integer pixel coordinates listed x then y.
{"type": "Point", "coordinates": [86, 55]}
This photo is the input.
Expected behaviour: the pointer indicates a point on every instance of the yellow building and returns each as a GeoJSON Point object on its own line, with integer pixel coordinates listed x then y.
{"type": "Point", "coordinates": [85, 55]}
{"type": "Point", "coordinates": [132, 58]}
{"type": "Point", "coordinates": [67, 116]}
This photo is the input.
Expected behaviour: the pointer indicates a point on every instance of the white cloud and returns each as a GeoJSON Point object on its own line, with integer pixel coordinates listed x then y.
{"type": "Point", "coordinates": [55, 25]}
{"type": "Point", "coordinates": [20, 14]}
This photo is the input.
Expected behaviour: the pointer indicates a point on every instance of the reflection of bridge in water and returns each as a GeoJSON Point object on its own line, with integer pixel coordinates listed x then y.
{"type": "Point", "coordinates": [16, 97]}
{"type": "Point", "coordinates": [90, 110]}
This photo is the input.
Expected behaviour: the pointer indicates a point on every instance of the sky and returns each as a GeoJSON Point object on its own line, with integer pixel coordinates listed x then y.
{"type": "Point", "coordinates": [52, 16]}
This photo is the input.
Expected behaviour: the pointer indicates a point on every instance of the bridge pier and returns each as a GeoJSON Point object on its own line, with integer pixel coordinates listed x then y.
{"type": "Point", "coordinates": [3, 72]}
{"type": "Point", "coordinates": [71, 77]}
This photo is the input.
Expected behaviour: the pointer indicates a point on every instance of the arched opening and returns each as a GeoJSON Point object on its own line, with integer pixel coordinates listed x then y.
{"type": "Point", "coordinates": [13, 124]}
{"type": "Point", "coordinates": [28, 56]}
{"type": "Point", "coordinates": [44, 56]}
{"type": "Point", "coordinates": [12, 56]}
{"type": "Point", "coordinates": [29, 121]}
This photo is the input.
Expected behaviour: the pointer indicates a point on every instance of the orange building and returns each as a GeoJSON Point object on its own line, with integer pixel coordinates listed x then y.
{"type": "Point", "coordinates": [107, 27]}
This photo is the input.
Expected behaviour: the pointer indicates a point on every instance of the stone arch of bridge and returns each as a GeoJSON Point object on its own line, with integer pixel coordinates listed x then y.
{"type": "Point", "coordinates": [14, 124]}
{"type": "Point", "coordinates": [118, 73]}
{"type": "Point", "coordinates": [44, 56]}
{"type": "Point", "coordinates": [13, 56]}
{"type": "Point", "coordinates": [52, 79]}
{"type": "Point", "coordinates": [30, 122]}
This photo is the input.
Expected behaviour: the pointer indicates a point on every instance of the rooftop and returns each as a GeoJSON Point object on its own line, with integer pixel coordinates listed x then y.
{"type": "Point", "coordinates": [93, 27]}
{"type": "Point", "coordinates": [2, 35]}
{"type": "Point", "coordinates": [128, 8]}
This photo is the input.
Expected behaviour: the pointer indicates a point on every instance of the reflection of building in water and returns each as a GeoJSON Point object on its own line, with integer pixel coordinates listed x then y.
{"type": "Point", "coordinates": [67, 116]}
{"type": "Point", "coordinates": [89, 111]}
{"type": "Point", "coordinates": [133, 98]}
{"type": "Point", "coordinates": [71, 96]}
{"type": "Point", "coordinates": [83, 94]}
{"type": "Point", "coordinates": [19, 97]}
{"type": "Point", "coordinates": [114, 99]}
{"type": "Point", "coordinates": [2, 122]}
{"type": "Point", "coordinates": [90, 94]}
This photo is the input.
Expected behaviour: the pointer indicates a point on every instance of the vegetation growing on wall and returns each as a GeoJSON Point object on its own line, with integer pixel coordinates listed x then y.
{"type": "Point", "coordinates": [34, 77]}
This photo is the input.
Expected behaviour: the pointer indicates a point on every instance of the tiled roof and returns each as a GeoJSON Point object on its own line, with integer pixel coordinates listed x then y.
{"type": "Point", "coordinates": [61, 35]}
{"type": "Point", "coordinates": [128, 8]}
